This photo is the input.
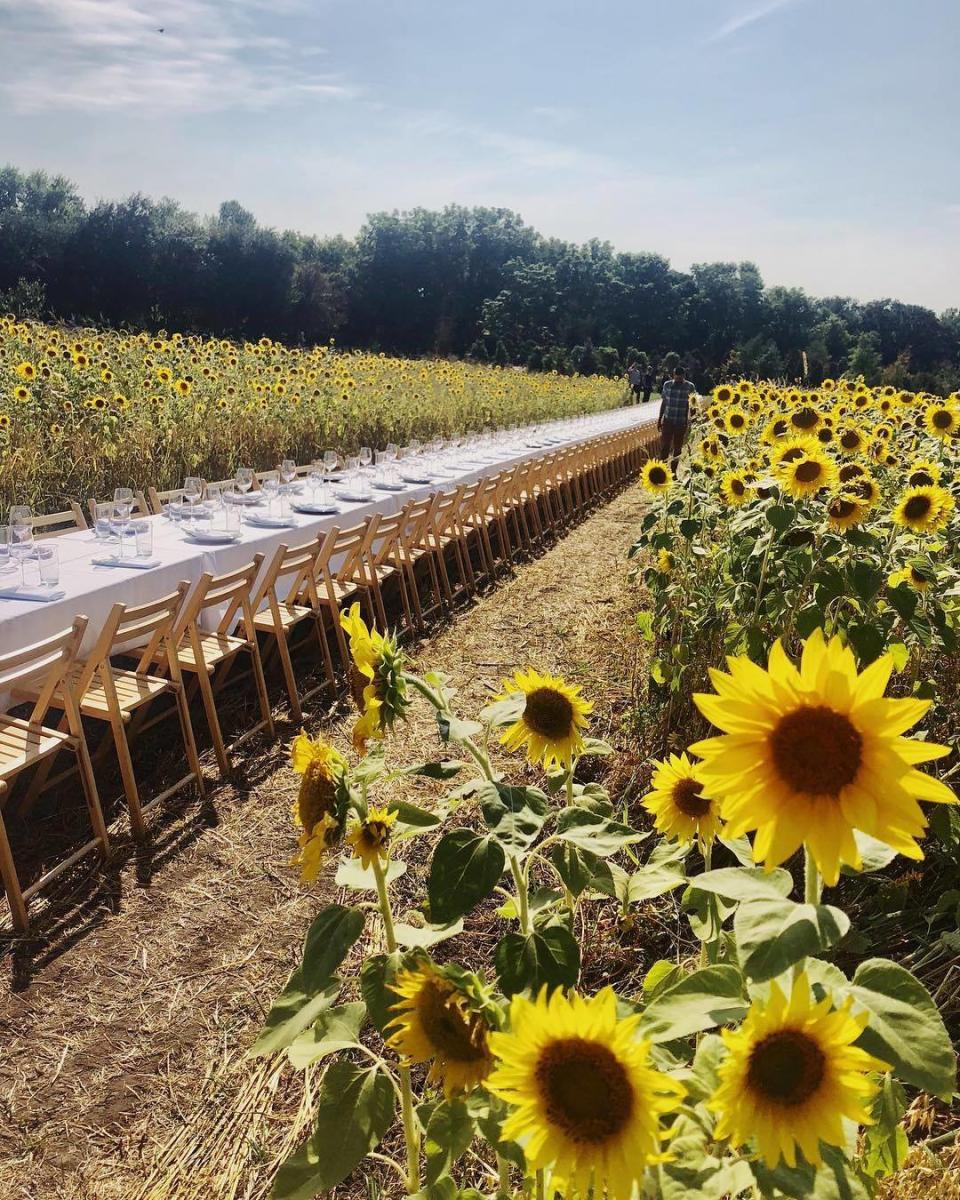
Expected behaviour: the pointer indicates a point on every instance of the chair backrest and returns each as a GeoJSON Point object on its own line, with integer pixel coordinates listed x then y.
{"type": "Point", "coordinates": [292, 568]}
{"type": "Point", "coordinates": [446, 511]}
{"type": "Point", "coordinates": [260, 477]}
{"type": "Point", "coordinates": [345, 554]}
{"type": "Point", "coordinates": [140, 507]}
{"type": "Point", "coordinates": [157, 500]}
{"type": "Point", "coordinates": [142, 631]}
{"type": "Point", "coordinates": [45, 663]}
{"type": "Point", "coordinates": [418, 519]}
{"type": "Point", "coordinates": [53, 524]}
{"type": "Point", "coordinates": [232, 591]}
{"type": "Point", "coordinates": [383, 538]}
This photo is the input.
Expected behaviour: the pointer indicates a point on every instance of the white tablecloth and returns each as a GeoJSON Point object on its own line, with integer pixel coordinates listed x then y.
{"type": "Point", "coordinates": [93, 590]}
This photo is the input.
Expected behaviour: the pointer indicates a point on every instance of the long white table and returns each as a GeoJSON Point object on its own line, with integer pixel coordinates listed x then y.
{"type": "Point", "coordinates": [93, 590]}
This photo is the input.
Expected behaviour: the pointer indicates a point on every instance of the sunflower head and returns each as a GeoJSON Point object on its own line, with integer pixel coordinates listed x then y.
{"type": "Point", "coordinates": [845, 511]}
{"type": "Point", "coordinates": [320, 808]}
{"type": "Point", "coordinates": [792, 1075]}
{"type": "Point", "coordinates": [443, 1016]}
{"type": "Point", "coordinates": [656, 476]}
{"type": "Point", "coordinates": [924, 509]}
{"type": "Point", "coordinates": [802, 750]}
{"type": "Point", "coordinates": [737, 421]}
{"type": "Point", "coordinates": [924, 473]}
{"type": "Point", "coordinates": [941, 419]}
{"type": "Point", "coordinates": [584, 1100]}
{"type": "Point", "coordinates": [552, 720]}
{"type": "Point", "coordinates": [370, 837]}
{"type": "Point", "coordinates": [666, 563]}
{"type": "Point", "coordinates": [808, 474]}
{"type": "Point", "coordinates": [733, 489]}
{"type": "Point", "coordinates": [377, 680]}
{"type": "Point", "coordinates": [677, 802]}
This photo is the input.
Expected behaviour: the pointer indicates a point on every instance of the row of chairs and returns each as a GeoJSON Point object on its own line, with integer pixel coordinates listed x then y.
{"type": "Point", "coordinates": [419, 562]}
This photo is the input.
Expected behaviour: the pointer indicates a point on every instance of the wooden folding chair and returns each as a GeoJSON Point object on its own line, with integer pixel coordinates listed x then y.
{"type": "Point", "coordinates": [339, 551]}
{"type": "Point", "coordinates": [119, 696]}
{"type": "Point", "coordinates": [202, 651]}
{"type": "Point", "coordinates": [415, 548]}
{"type": "Point", "coordinates": [374, 566]}
{"type": "Point", "coordinates": [140, 508]}
{"type": "Point", "coordinates": [53, 524]}
{"type": "Point", "coordinates": [474, 526]}
{"type": "Point", "coordinates": [40, 670]}
{"type": "Point", "coordinates": [284, 600]}
{"type": "Point", "coordinates": [446, 535]}
{"type": "Point", "coordinates": [156, 500]}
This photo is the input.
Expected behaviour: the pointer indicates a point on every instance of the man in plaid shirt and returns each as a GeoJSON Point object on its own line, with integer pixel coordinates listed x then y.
{"type": "Point", "coordinates": [674, 416]}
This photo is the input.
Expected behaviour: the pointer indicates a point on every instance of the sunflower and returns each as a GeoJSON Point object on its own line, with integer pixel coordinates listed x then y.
{"type": "Point", "coordinates": [808, 756]}
{"type": "Point", "coordinates": [585, 1102]}
{"type": "Point", "coordinates": [923, 509]}
{"type": "Point", "coordinates": [866, 489]}
{"type": "Point", "coordinates": [792, 1075]}
{"type": "Point", "coordinates": [21, 393]}
{"type": "Point", "coordinates": [4, 420]}
{"type": "Point", "coordinates": [183, 387]}
{"type": "Point", "coordinates": [376, 679]}
{"type": "Point", "coordinates": [789, 450]}
{"type": "Point", "coordinates": [845, 511]}
{"type": "Point", "coordinates": [370, 838]}
{"type": "Point", "coordinates": [656, 476]}
{"type": "Point", "coordinates": [680, 810]}
{"type": "Point", "coordinates": [438, 1018]}
{"type": "Point", "coordinates": [737, 421]}
{"type": "Point", "coordinates": [804, 419]}
{"type": "Point", "coordinates": [807, 475]}
{"type": "Point", "coordinates": [733, 489]}
{"type": "Point", "coordinates": [924, 473]}
{"type": "Point", "coordinates": [776, 428]}
{"type": "Point", "coordinates": [317, 808]}
{"type": "Point", "coordinates": [723, 394]}
{"type": "Point", "coordinates": [941, 419]}
{"type": "Point", "coordinates": [552, 721]}
{"type": "Point", "coordinates": [27, 371]}
{"type": "Point", "coordinates": [665, 562]}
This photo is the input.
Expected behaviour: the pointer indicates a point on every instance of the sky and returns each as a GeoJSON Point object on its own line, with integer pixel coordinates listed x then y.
{"type": "Point", "coordinates": [817, 138]}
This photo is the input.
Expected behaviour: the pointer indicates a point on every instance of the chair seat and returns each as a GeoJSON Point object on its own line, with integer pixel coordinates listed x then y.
{"type": "Point", "coordinates": [384, 571]}
{"type": "Point", "coordinates": [22, 744]}
{"type": "Point", "coordinates": [341, 591]}
{"type": "Point", "coordinates": [215, 647]}
{"type": "Point", "coordinates": [132, 691]}
{"type": "Point", "coordinates": [290, 615]}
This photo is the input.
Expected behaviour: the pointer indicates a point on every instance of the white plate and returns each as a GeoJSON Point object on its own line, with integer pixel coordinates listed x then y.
{"type": "Point", "coordinates": [245, 498]}
{"type": "Point", "coordinates": [315, 510]}
{"type": "Point", "coordinates": [391, 487]}
{"type": "Point", "coordinates": [264, 521]}
{"type": "Point", "coordinates": [213, 537]}
{"type": "Point", "coordinates": [354, 497]}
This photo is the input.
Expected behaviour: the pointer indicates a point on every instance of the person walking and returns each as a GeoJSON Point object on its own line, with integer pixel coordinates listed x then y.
{"type": "Point", "coordinates": [647, 385]}
{"type": "Point", "coordinates": [635, 379]}
{"type": "Point", "coordinates": [674, 418]}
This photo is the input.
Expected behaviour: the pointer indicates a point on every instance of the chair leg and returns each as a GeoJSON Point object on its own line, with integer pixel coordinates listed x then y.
{"type": "Point", "coordinates": [291, 680]}
{"type": "Point", "coordinates": [213, 722]}
{"type": "Point", "coordinates": [11, 883]}
{"type": "Point", "coordinates": [129, 779]}
{"type": "Point", "coordinates": [189, 741]}
{"type": "Point", "coordinates": [261, 687]}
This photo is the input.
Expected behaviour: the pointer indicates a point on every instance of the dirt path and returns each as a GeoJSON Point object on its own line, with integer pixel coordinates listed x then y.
{"type": "Point", "coordinates": [122, 1072]}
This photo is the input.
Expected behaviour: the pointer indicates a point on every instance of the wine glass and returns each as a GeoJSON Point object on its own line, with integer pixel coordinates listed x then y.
{"type": "Point", "coordinates": [288, 471]}
{"type": "Point", "coordinates": [4, 547]}
{"type": "Point", "coordinates": [192, 491]}
{"type": "Point", "coordinates": [314, 479]}
{"type": "Point", "coordinates": [366, 456]}
{"type": "Point", "coordinates": [244, 479]}
{"type": "Point", "coordinates": [122, 508]}
{"type": "Point", "coordinates": [330, 461]}
{"type": "Point", "coordinates": [21, 530]}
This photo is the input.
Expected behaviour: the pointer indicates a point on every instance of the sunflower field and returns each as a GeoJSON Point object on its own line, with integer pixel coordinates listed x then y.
{"type": "Point", "coordinates": [85, 410]}
{"type": "Point", "coordinates": [768, 1061]}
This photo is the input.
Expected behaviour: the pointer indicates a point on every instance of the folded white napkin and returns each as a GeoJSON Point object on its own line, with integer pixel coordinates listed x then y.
{"type": "Point", "coordinates": [137, 564]}
{"type": "Point", "coordinates": [17, 591]}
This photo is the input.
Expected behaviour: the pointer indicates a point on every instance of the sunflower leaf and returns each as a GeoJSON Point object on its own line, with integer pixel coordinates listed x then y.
{"type": "Point", "coordinates": [580, 870]}
{"type": "Point", "coordinates": [294, 1010]}
{"type": "Point", "coordinates": [425, 936]}
{"type": "Point", "coordinates": [453, 729]}
{"type": "Point", "coordinates": [449, 1130]}
{"type": "Point", "coordinates": [465, 869]}
{"type": "Point", "coordinates": [597, 834]}
{"type": "Point", "coordinates": [514, 815]}
{"type": "Point", "coordinates": [335, 1029]}
{"type": "Point", "coordinates": [355, 1109]}
{"type": "Point", "coordinates": [905, 1029]}
{"type": "Point", "coordinates": [772, 935]}
{"type": "Point", "coordinates": [549, 956]}
{"type": "Point", "coordinates": [702, 1000]}
{"type": "Point", "coordinates": [328, 939]}
{"type": "Point", "coordinates": [376, 975]}
{"type": "Point", "coordinates": [351, 873]}
{"type": "Point", "coordinates": [885, 1143]}
{"type": "Point", "coordinates": [744, 883]}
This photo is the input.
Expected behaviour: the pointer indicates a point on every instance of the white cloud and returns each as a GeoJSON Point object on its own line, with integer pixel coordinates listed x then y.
{"type": "Point", "coordinates": [197, 56]}
{"type": "Point", "coordinates": [748, 16]}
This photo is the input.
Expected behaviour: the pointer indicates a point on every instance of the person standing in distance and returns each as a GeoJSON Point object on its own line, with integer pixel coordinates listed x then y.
{"type": "Point", "coordinates": [635, 380]}
{"type": "Point", "coordinates": [648, 382]}
{"type": "Point", "coordinates": [674, 418]}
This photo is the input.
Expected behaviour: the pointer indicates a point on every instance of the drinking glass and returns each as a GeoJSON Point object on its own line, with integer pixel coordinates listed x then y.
{"type": "Point", "coordinates": [244, 479]}
{"type": "Point", "coordinates": [330, 461]}
{"type": "Point", "coordinates": [21, 526]}
{"type": "Point", "coordinates": [122, 508]}
{"type": "Point", "coordinates": [288, 471]}
{"type": "Point", "coordinates": [314, 479]}
{"type": "Point", "coordinates": [103, 519]}
{"type": "Point", "coordinates": [144, 535]}
{"type": "Point", "coordinates": [4, 547]}
{"type": "Point", "coordinates": [271, 489]}
{"type": "Point", "coordinates": [192, 491]}
{"type": "Point", "coordinates": [366, 456]}
{"type": "Point", "coordinates": [49, 557]}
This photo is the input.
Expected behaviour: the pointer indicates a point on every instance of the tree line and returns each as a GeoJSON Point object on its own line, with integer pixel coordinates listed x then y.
{"type": "Point", "coordinates": [474, 282]}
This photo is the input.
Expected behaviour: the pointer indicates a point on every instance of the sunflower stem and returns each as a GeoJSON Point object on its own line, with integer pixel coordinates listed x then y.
{"type": "Point", "coordinates": [523, 911]}
{"type": "Point", "coordinates": [411, 1130]}
{"type": "Point", "coordinates": [812, 880]}
{"type": "Point", "coordinates": [503, 1175]}
{"type": "Point", "coordinates": [541, 1186]}
{"type": "Point", "coordinates": [706, 849]}
{"type": "Point", "coordinates": [569, 783]}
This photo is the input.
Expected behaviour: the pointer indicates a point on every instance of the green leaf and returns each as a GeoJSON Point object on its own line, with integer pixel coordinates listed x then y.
{"type": "Point", "coordinates": [903, 600]}
{"type": "Point", "coordinates": [906, 1029]}
{"type": "Point", "coordinates": [772, 935]}
{"type": "Point", "coordinates": [885, 1143]}
{"type": "Point", "coordinates": [580, 870]}
{"type": "Point", "coordinates": [376, 975]}
{"type": "Point", "coordinates": [645, 884]}
{"type": "Point", "coordinates": [592, 832]}
{"type": "Point", "coordinates": [702, 1000]}
{"type": "Point", "coordinates": [294, 1010]}
{"type": "Point", "coordinates": [690, 527]}
{"type": "Point", "coordinates": [705, 1075]}
{"type": "Point", "coordinates": [808, 619]}
{"type": "Point", "coordinates": [328, 939]}
{"type": "Point", "coordinates": [505, 711]}
{"type": "Point", "coordinates": [876, 855]}
{"type": "Point", "coordinates": [740, 848]}
{"type": "Point", "coordinates": [336, 1029]}
{"type": "Point", "coordinates": [645, 625]}
{"type": "Point", "coordinates": [662, 974]}
{"type": "Point", "coordinates": [744, 883]}
{"type": "Point", "coordinates": [490, 1112]}
{"type": "Point", "coordinates": [549, 955]}
{"type": "Point", "coordinates": [900, 655]}
{"type": "Point", "coordinates": [373, 764]}
{"type": "Point", "coordinates": [693, 1172]}
{"type": "Point", "coordinates": [413, 815]}
{"type": "Point", "coordinates": [780, 516]}
{"type": "Point", "coordinates": [446, 769]}
{"type": "Point", "coordinates": [514, 815]}
{"type": "Point", "coordinates": [595, 748]}
{"type": "Point", "coordinates": [354, 1111]}
{"type": "Point", "coordinates": [866, 579]}
{"type": "Point", "coordinates": [449, 1128]}
{"type": "Point", "coordinates": [452, 729]}
{"type": "Point", "coordinates": [424, 936]}
{"type": "Point", "coordinates": [351, 873]}
{"type": "Point", "coordinates": [868, 641]}
{"type": "Point", "coordinates": [465, 869]}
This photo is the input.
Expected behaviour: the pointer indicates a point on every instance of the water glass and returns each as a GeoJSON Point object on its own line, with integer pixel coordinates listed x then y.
{"type": "Point", "coordinates": [122, 508]}
{"type": "Point", "coordinates": [103, 520]}
{"type": "Point", "coordinates": [366, 456]}
{"type": "Point", "coordinates": [331, 461]}
{"type": "Point", "coordinates": [288, 471]}
{"type": "Point", "coordinates": [21, 544]}
{"type": "Point", "coordinates": [144, 535]}
{"type": "Point", "coordinates": [244, 479]}
{"type": "Point", "coordinates": [49, 563]}
{"type": "Point", "coordinates": [30, 569]}
{"type": "Point", "coordinates": [4, 547]}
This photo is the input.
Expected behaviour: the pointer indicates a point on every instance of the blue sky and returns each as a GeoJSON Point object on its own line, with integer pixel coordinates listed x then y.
{"type": "Point", "coordinates": [818, 138]}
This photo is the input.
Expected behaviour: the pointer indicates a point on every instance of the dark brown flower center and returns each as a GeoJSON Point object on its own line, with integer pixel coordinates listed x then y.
{"type": "Point", "coordinates": [657, 476]}
{"type": "Point", "coordinates": [688, 797]}
{"type": "Point", "coordinates": [809, 471]}
{"type": "Point", "coordinates": [792, 454]}
{"type": "Point", "coordinates": [805, 418]}
{"type": "Point", "coordinates": [585, 1090]}
{"type": "Point", "coordinates": [786, 1068]}
{"type": "Point", "coordinates": [917, 507]}
{"type": "Point", "coordinates": [942, 419]}
{"type": "Point", "coordinates": [736, 420]}
{"type": "Point", "coordinates": [316, 796]}
{"type": "Point", "coordinates": [920, 479]}
{"type": "Point", "coordinates": [850, 471]}
{"type": "Point", "coordinates": [736, 486]}
{"type": "Point", "coordinates": [850, 439]}
{"type": "Point", "coordinates": [549, 713]}
{"type": "Point", "coordinates": [454, 1033]}
{"type": "Point", "coordinates": [841, 509]}
{"type": "Point", "coordinates": [816, 750]}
